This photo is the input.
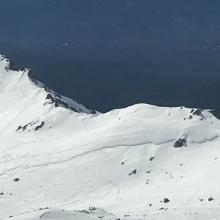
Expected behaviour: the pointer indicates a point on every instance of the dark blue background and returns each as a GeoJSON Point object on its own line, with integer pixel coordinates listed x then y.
{"type": "Point", "coordinates": [113, 53]}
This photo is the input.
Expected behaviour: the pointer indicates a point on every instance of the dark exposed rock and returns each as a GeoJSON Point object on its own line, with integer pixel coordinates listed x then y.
{"type": "Point", "coordinates": [166, 200]}
{"type": "Point", "coordinates": [16, 179]}
{"type": "Point", "coordinates": [58, 102]}
{"type": "Point", "coordinates": [50, 97]}
{"type": "Point", "coordinates": [180, 143]}
{"type": "Point", "coordinates": [133, 172]}
{"type": "Point", "coordinates": [53, 99]}
{"type": "Point", "coordinates": [210, 199]}
{"type": "Point", "coordinates": [197, 112]}
{"type": "Point", "coordinates": [43, 208]}
{"type": "Point", "coordinates": [84, 211]}
{"type": "Point", "coordinates": [40, 126]}
{"type": "Point", "coordinates": [151, 158]}
{"type": "Point", "coordinates": [36, 123]}
{"type": "Point", "coordinates": [19, 128]}
{"type": "Point", "coordinates": [147, 182]}
{"type": "Point", "coordinates": [23, 128]}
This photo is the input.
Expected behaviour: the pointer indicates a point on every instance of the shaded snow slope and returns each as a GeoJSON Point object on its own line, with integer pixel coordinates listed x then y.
{"type": "Point", "coordinates": [141, 162]}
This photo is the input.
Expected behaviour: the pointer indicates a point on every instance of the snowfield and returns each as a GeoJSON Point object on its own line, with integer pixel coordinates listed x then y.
{"type": "Point", "coordinates": [62, 161]}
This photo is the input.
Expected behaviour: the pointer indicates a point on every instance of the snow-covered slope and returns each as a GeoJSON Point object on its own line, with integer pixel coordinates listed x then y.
{"type": "Point", "coordinates": [59, 160]}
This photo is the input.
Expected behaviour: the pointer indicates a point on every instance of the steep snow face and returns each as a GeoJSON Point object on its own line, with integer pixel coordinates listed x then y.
{"type": "Point", "coordinates": [20, 83]}
{"type": "Point", "coordinates": [141, 162]}
{"type": "Point", "coordinates": [28, 99]}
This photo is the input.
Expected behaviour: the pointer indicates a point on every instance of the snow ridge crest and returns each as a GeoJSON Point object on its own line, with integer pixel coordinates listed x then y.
{"type": "Point", "coordinates": [10, 72]}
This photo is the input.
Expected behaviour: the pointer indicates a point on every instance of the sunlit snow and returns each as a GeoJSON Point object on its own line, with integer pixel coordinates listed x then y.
{"type": "Point", "coordinates": [60, 160]}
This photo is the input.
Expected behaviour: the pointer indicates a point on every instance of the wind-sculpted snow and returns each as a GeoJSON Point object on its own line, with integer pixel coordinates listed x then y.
{"type": "Point", "coordinates": [59, 159]}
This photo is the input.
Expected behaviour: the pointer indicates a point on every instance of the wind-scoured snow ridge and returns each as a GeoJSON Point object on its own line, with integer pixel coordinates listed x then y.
{"type": "Point", "coordinates": [140, 162]}
{"type": "Point", "coordinates": [51, 96]}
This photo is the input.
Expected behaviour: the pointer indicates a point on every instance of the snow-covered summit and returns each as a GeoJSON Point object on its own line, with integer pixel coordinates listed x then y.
{"type": "Point", "coordinates": [60, 161]}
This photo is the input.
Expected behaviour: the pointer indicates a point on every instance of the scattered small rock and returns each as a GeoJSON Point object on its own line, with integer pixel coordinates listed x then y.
{"type": "Point", "coordinates": [190, 117]}
{"type": "Point", "coordinates": [151, 158]}
{"type": "Point", "coordinates": [180, 142]}
{"type": "Point", "coordinates": [39, 126]}
{"type": "Point", "coordinates": [16, 179]}
{"type": "Point", "coordinates": [166, 200]}
{"type": "Point", "coordinates": [133, 172]}
{"type": "Point", "coordinates": [210, 199]}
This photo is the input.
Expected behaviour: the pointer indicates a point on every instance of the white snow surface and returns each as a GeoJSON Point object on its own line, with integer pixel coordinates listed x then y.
{"type": "Point", "coordinates": [56, 162]}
